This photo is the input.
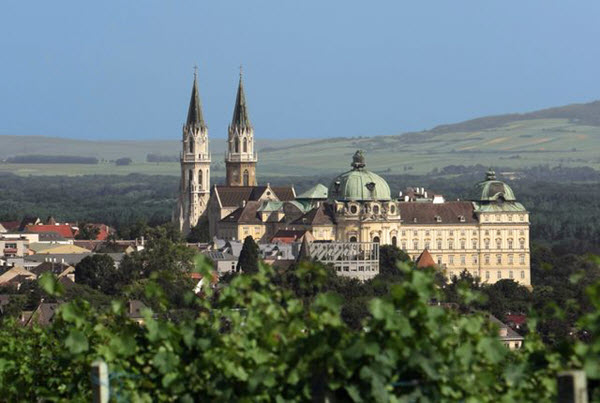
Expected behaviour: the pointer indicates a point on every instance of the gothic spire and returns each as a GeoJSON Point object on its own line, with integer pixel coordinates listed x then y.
{"type": "Point", "coordinates": [240, 113]}
{"type": "Point", "coordinates": [195, 116]}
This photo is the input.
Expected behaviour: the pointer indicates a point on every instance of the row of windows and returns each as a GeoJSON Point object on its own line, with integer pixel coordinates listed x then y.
{"type": "Point", "coordinates": [509, 217]}
{"type": "Point", "coordinates": [356, 268]}
{"type": "Point", "coordinates": [488, 275]}
{"type": "Point", "coordinates": [375, 208]}
{"type": "Point", "coordinates": [463, 244]}
{"type": "Point", "coordinates": [486, 259]}
{"type": "Point", "coordinates": [462, 232]}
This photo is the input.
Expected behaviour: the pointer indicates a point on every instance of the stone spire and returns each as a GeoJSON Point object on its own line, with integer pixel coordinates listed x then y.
{"type": "Point", "coordinates": [240, 118]}
{"type": "Point", "coordinates": [195, 117]}
{"type": "Point", "coordinates": [240, 157]}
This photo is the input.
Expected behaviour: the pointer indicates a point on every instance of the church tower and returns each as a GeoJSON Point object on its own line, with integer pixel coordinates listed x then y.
{"type": "Point", "coordinates": [194, 188]}
{"type": "Point", "coordinates": [240, 157]}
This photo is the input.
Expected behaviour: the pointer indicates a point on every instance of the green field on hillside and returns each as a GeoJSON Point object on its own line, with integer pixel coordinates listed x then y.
{"type": "Point", "coordinates": [567, 136]}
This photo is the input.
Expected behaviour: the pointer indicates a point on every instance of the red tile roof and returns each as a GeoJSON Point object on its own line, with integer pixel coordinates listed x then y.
{"type": "Point", "coordinates": [425, 260]}
{"type": "Point", "coordinates": [62, 229]}
{"type": "Point", "coordinates": [10, 225]}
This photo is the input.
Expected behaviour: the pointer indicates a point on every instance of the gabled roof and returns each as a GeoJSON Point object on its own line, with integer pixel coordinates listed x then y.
{"type": "Point", "coordinates": [64, 230]}
{"type": "Point", "coordinates": [247, 214]}
{"type": "Point", "coordinates": [62, 249]}
{"type": "Point", "coordinates": [54, 268]}
{"type": "Point", "coordinates": [10, 225]}
{"type": "Point", "coordinates": [425, 260]}
{"type": "Point", "coordinates": [233, 196]}
{"type": "Point", "coordinates": [442, 213]}
{"type": "Point", "coordinates": [14, 272]}
{"type": "Point", "coordinates": [43, 314]}
{"type": "Point", "coordinates": [317, 216]}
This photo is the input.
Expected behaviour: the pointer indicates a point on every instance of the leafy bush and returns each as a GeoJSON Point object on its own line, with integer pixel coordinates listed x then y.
{"type": "Point", "coordinates": [257, 340]}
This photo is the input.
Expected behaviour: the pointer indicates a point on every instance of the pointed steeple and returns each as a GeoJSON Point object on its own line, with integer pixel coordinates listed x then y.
{"type": "Point", "coordinates": [195, 117]}
{"type": "Point", "coordinates": [240, 113]}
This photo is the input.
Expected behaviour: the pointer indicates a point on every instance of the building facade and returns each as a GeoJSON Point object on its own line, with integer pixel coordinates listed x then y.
{"type": "Point", "coordinates": [488, 235]}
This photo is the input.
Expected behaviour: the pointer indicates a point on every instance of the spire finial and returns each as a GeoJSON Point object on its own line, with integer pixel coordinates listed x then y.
{"type": "Point", "coordinates": [195, 71]}
{"type": "Point", "coordinates": [241, 71]}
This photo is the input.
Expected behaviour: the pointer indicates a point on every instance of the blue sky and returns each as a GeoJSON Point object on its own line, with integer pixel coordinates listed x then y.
{"type": "Point", "coordinates": [123, 69]}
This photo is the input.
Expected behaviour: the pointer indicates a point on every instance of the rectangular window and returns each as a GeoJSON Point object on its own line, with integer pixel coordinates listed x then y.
{"type": "Point", "coordinates": [498, 259]}
{"type": "Point", "coordinates": [415, 244]}
{"type": "Point", "coordinates": [404, 246]}
{"type": "Point", "coordinates": [522, 274]}
{"type": "Point", "coordinates": [510, 274]}
{"type": "Point", "coordinates": [451, 260]}
{"type": "Point", "coordinates": [427, 245]}
{"type": "Point", "coordinates": [439, 244]}
{"type": "Point", "coordinates": [474, 244]}
{"type": "Point", "coordinates": [415, 233]}
{"type": "Point", "coordinates": [450, 244]}
{"type": "Point", "coordinates": [439, 260]}
{"type": "Point", "coordinates": [474, 259]}
{"type": "Point", "coordinates": [487, 275]}
{"type": "Point", "coordinates": [463, 259]}
{"type": "Point", "coordinates": [487, 259]}
{"type": "Point", "coordinates": [427, 233]}
{"type": "Point", "coordinates": [451, 232]}
{"type": "Point", "coordinates": [522, 259]}
{"type": "Point", "coordinates": [499, 274]}
{"type": "Point", "coordinates": [463, 244]}
{"type": "Point", "coordinates": [510, 259]}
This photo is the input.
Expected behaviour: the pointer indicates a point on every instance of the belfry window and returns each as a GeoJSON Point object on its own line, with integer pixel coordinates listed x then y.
{"type": "Point", "coordinates": [237, 145]}
{"type": "Point", "coordinates": [245, 146]}
{"type": "Point", "coordinates": [200, 178]}
{"type": "Point", "coordinates": [191, 145]}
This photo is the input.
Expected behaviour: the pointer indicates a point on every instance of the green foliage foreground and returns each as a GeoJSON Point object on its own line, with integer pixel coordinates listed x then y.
{"type": "Point", "coordinates": [253, 340]}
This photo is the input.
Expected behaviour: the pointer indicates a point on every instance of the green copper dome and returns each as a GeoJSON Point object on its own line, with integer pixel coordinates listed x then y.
{"type": "Point", "coordinates": [359, 184]}
{"type": "Point", "coordinates": [493, 190]}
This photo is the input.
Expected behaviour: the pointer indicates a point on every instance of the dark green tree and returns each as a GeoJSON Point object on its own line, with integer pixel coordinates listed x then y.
{"type": "Point", "coordinates": [389, 256]}
{"type": "Point", "coordinates": [98, 272]}
{"type": "Point", "coordinates": [199, 233]}
{"type": "Point", "coordinates": [248, 261]}
{"type": "Point", "coordinates": [87, 231]}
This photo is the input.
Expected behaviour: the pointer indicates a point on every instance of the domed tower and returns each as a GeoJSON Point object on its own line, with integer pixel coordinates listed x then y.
{"type": "Point", "coordinates": [194, 187]}
{"type": "Point", "coordinates": [362, 204]}
{"type": "Point", "coordinates": [240, 157]}
{"type": "Point", "coordinates": [503, 232]}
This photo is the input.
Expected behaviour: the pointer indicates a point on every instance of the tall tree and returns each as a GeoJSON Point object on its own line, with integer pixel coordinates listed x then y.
{"type": "Point", "coordinates": [248, 261]}
{"type": "Point", "coordinates": [98, 272]}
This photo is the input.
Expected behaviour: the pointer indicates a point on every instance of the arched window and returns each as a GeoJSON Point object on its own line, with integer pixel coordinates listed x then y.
{"type": "Point", "coordinates": [376, 239]}
{"type": "Point", "coordinates": [237, 145]}
{"type": "Point", "coordinates": [246, 178]}
{"type": "Point", "coordinates": [394, 241]}
{"type": "Point", "coordinates": [245, 146]}
{"type": "Point", "coordinates": [200, 178]}
{"type": "Point", "coordinates": [352, 238]}
{"type": "Point", "coordinates": [191, 144]}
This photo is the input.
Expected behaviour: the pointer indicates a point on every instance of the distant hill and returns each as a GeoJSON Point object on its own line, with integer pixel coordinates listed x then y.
{"type": "Point", "coordinates": [581, 114]}
{"type": "Point", "coordinates": [567, 136]}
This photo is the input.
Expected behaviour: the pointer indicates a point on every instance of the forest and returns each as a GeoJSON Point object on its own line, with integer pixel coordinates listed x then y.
{"type": "Point", "coordinates": [562, 201]}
